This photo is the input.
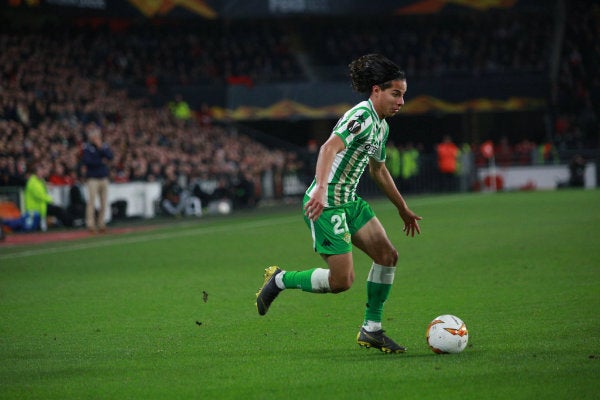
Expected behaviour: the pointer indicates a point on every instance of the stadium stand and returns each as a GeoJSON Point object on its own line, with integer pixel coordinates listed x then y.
{"type": "Point", "coordinates": [57, 78]}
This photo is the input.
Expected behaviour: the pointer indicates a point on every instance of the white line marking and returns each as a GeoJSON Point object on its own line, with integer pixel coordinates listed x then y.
{"type": "Point", "coordinates": [414, 202]}
{"type": "Point", "coordinates": [122, 239]}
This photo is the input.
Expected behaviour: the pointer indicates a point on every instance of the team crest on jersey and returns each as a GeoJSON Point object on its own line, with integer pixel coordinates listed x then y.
{"type": "Point", "coordinates": [347, 237]}
{"type": "Point", "coordinates": [355, 124]}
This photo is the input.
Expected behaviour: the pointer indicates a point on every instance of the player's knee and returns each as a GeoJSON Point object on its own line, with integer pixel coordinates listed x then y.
{"type": "Point", "coordinates": [394, 257]}
{"type": "Point", "coordinates": [388, 257]}
{"type": "Point", "coordinates": [340, 287]}
{"type": "Point", "coordinates": [341, 284]}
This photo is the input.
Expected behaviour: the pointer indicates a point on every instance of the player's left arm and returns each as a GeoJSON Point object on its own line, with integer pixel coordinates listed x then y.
{"type": "Point", "coordinates": [384, 181]}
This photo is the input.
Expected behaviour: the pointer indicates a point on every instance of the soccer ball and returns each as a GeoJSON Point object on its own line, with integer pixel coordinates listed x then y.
{"type": "Point", "coordinates": [447, 334]}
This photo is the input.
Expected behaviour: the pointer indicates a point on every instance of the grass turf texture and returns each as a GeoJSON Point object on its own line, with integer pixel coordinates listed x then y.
{"type": "Point", "coordinates": [125, 317]}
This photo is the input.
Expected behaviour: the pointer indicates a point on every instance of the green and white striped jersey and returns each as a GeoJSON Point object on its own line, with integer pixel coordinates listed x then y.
{"type": "Point", "coordinates": [364, 135]}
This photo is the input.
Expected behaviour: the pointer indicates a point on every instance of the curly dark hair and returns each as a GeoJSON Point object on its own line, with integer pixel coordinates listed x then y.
{"type": "Point", "coordinates": [373, 69]}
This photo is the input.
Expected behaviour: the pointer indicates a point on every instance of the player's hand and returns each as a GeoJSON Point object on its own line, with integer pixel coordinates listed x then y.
{"type": "Point", "coordinates": [411, 224]}
{"type": "Point", "coordinates": [314, 207]}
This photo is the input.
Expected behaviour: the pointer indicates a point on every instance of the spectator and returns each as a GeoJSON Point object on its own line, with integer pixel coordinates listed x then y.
{"type": "Point", "coordinates": [547, 154]}
{"type": "Point", "coordinates": [58, 177]}
{"type": "Point", "coordinates": [38, 200]}
{"type": "Point", "coordinates": [447, 154]}
{"type": "Point", "coordinates": [180, 108]}
{"type": "Point", "coordinates": [577, 171]}
{"type": "Point", "coordinates": [222, 192]}
{"type": "Point", "coordinates": [77, 204]}
{"type": "Point", "coordinates": [504, 153]}
{"type": "Point", "coordinates": [175, 200]}
{"type": "Point", "coordinates": [524, 151]}
{"type": "Point", "coordinates": [95, 155]}
{"type": "Point", "coordinates": [204, 115]}
{"type": "Point", "coordinates": [244, 192]}
{"type": "Point", "coordinates": [172, 202]}
{"type": "Point", "coordinates": [9, 175]}
{"type": "Point", "coordinates": [466, 167]}
{"type": "Point", "coordinates": [410, 167]}
{"type": "Point", "coordinates": [155, 173]}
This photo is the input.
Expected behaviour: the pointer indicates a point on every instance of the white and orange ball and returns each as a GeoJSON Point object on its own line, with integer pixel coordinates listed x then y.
{"type": "Point", "coordinates": [447, 334]}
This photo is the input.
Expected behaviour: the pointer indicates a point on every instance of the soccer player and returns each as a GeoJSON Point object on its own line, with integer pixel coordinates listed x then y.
{"type": "Point", "coordinates": [338, 218]}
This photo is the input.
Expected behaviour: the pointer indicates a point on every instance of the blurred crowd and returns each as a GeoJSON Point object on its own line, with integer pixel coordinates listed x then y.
{"type": "Point", "coordinates": [575, 98]}
{"type": "Point", "coordinates": [468, 43]}
{"type": "Point", "coordinates": [54, 90]}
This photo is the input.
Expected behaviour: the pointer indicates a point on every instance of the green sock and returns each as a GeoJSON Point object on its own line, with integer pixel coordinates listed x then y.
{"type": "Point", "coordinates": [379, 285]}
{"type": "Point", "coordinates": [314, 280]}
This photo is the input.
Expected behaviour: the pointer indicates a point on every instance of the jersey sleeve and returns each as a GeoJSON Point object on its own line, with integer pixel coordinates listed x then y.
{"type": "Point", "coordinates": [355, 123]}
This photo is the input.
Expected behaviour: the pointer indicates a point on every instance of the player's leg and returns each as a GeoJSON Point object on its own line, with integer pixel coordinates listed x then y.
{"type": "Point", "coordinates": [338, 278]}
{"type": "Point", "coordinates": [341, 271]}
{"type": "Point", "coordinates": [372, 239]}
{"type": "Point", "coordinates": [331, 239]}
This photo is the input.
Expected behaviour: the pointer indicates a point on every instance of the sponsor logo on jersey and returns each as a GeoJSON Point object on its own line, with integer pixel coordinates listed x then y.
{"type": "Point", "coordinates": [371, 148]}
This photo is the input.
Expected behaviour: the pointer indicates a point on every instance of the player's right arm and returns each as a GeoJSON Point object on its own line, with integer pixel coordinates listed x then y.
{"type": "Point", "coordinates": [314, 207]}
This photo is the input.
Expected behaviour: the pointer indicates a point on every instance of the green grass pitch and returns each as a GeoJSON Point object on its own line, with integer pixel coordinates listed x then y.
{"type": "Point", "coordinates": [170, 314]}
